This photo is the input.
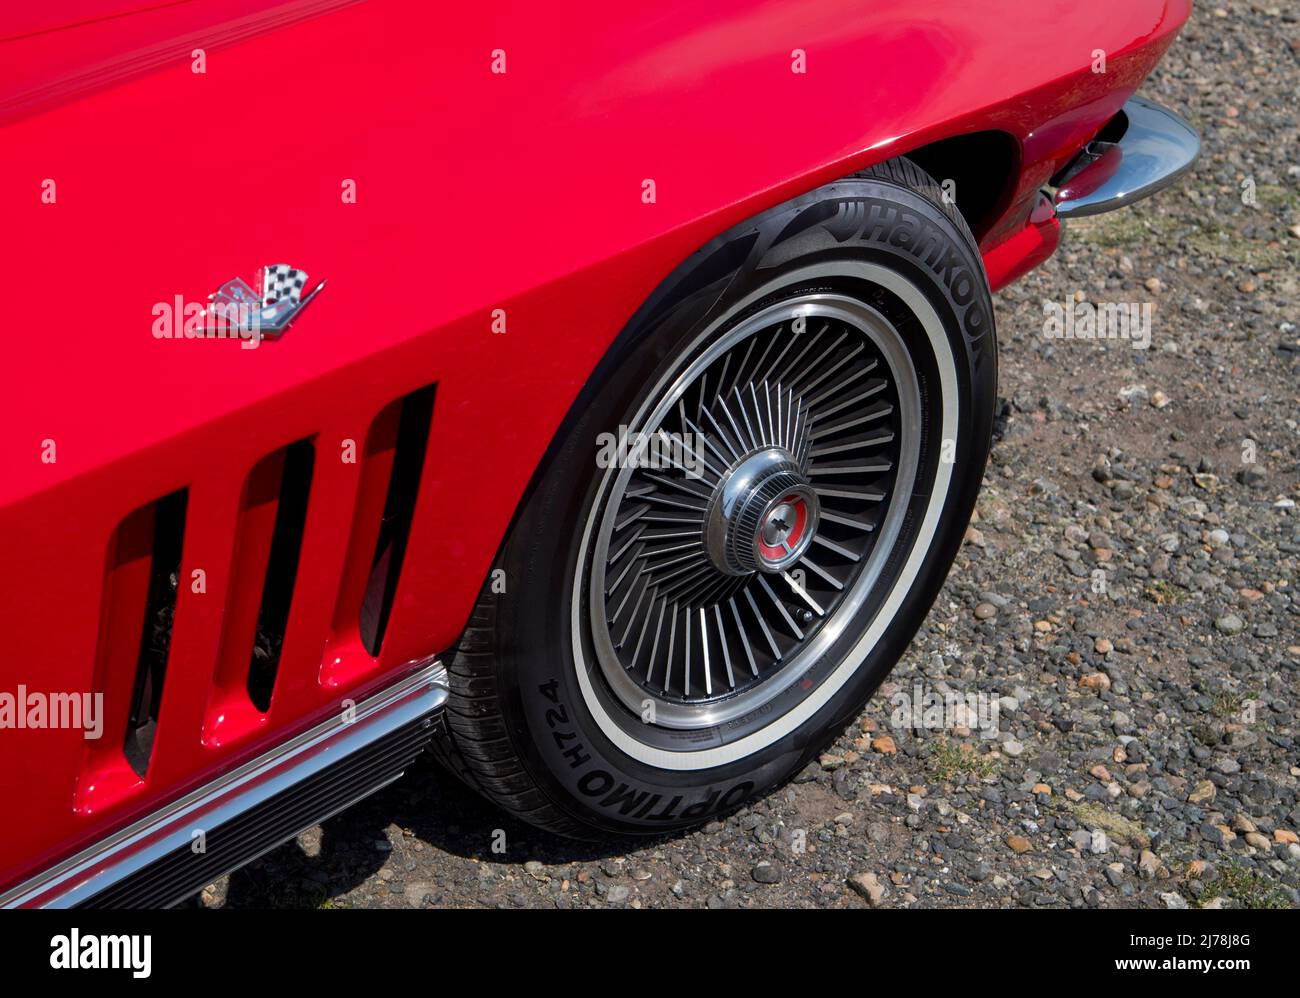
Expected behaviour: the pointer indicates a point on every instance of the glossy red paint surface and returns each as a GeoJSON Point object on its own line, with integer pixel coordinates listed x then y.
{"type": "Point", "coordinates": [476, 191]}
{"type": "Point", "coordinates": [1017, 255]}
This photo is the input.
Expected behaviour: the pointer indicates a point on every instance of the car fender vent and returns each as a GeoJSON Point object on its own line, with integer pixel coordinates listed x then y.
{"type": "Point", "coordinates": [168, 516]}
{"type": "Point", "coordinates": [264, 567]}
{"type": "Point", "coordinates": [415, 413]}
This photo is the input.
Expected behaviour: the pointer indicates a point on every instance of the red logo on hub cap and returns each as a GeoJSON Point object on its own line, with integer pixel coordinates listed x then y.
{"type": "Point", "coordinates": [783, 529]}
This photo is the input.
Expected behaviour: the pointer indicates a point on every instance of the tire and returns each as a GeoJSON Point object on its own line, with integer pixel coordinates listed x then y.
{"type": "Point", "coordinates": [773, 636]}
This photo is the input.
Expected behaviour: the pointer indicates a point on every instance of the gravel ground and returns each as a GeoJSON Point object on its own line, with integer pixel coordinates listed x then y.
{"type": "Point", "coordinates": [1126, 596]}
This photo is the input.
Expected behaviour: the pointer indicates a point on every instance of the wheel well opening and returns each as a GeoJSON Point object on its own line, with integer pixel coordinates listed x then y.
{"type": "Point", "coordinates": [981, 168]}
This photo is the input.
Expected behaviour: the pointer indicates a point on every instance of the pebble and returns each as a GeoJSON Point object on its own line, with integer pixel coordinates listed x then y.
{"type": "Point", "coordinates": [1148, 864]}
{"type": "Point", "coordinates": [1095, 681]}
{"type": "Point", "coordinates": [869, 887]}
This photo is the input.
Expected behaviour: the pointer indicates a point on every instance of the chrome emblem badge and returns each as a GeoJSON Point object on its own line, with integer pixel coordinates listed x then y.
{"type": "Point", "coordinates": [270, 314]}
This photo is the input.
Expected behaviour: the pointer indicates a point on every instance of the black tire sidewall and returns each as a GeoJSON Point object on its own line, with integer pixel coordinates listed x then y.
{"type": "Point", "coordinates": [559, 741]}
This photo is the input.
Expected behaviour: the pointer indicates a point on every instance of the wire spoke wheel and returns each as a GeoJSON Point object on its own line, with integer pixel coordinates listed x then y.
{"type": "Point", "coordinates": [756, 503]}
{"type": "Point", "coordinates": [790, 434]}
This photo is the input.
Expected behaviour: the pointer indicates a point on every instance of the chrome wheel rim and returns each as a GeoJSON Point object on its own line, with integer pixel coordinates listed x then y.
{"type": "Point", "coordinates": [727, 559]}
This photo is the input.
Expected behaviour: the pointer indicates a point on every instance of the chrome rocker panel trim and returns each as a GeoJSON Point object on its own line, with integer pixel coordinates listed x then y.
{"type": "Point", "coordinates": [1156, 149]}
{"type": "Point", "coordinates": [156, 836]}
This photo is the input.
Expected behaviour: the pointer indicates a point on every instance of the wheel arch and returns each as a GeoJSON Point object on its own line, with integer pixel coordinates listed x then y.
{"type": "Point", "coordinates": [983, 167]}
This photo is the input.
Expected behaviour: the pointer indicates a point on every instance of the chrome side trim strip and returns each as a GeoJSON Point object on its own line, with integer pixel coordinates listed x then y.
{"type": "Point", "coordinates": [232, 794]}
{"type": "Point", "coordinates": [1157, 148]}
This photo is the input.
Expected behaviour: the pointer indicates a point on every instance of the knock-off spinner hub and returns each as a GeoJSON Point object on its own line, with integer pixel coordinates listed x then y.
{"type": "Point", "coordinates": [762, 516]}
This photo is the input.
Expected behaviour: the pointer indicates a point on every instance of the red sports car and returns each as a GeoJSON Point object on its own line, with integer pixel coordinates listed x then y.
{"type": "Point", "coordinates": [595, 399]}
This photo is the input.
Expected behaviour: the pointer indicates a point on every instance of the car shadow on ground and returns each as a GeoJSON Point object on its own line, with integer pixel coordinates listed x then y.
{"type": "Point", "coordinates": [430, 820]}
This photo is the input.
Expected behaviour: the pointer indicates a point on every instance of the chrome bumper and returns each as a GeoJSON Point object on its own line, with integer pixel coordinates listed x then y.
{"type": "Point", "coordinates": [248, 812]}
{"type": "Point", "coordinates": [1156, 148]}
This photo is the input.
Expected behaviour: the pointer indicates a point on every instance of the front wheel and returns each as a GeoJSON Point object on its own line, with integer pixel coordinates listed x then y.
{"type": "Point", "coordinates": [743, 521]}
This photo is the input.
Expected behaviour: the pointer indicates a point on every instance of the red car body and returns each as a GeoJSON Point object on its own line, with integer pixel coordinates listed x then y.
{"type": "Point", "coordinates": [476, 191]}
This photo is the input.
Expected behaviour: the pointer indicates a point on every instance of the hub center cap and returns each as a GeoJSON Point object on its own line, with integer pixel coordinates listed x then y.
{"type": "Point", "coordinates": [762, 515]}
{"type": "Point", "coordinates": [780, 524]}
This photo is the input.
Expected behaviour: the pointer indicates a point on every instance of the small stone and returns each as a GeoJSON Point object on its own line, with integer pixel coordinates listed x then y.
{"type": "Point", "coordinates": [1252, 478]}
{"type": "Point", "coordinates": [1019, 844]}
{"type": "Point", "coordinates": [1148, 864]}
{"type": "Point", "coordinates": [1159, 399]}
{"type": "Point", "coordinates": [1213, 834]}
{"type": "Point", "coordinates": [1103, 646]}
{"type": "Point", "coordinates": [808, 774]}
{"type": "Point", "coordinates": [1202, 793]}
{"type": "Point", "coordinates": [1230, 624]}
{"type": "Point", "coordinates": [767, 873]}
{"type": "Point", "coordinates": [1285, 835]}
{"type": "Point", "coordinates": [869, 886]}
{"type": "Point", "coordinates": [1013, 748]}
{"type": "Point", "coordinates": [617, 894]}
{"type": "Point", "coordinates": [884, 744]}
{"type": "Point", "coordinates": [1173, 900]}
{"type": "Point", "coordinates": [1100, 772]}
{"type": "Point", "coordinates": [1257, 841]}
{"type": "Point", "coordinates": [986, 611]}
{"type": "Point", "coordinates": [1095, 681]}
{"type": "Point", "coordinates": [1042, 788]}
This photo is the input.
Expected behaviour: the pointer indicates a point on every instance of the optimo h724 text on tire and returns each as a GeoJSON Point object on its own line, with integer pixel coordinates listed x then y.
{"type": "Point", "coordinates": [801, 417]}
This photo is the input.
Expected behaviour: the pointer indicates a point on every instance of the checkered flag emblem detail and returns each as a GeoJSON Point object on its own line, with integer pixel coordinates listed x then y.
{"type": "Point", "coordinates": [279, 280]}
